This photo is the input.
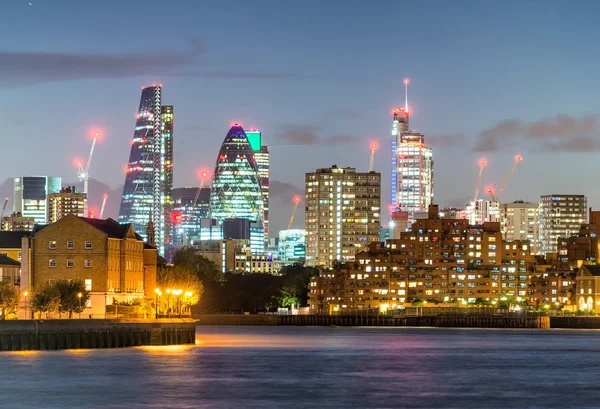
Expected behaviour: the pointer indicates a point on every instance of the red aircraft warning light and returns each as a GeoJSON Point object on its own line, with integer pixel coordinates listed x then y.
{"type": "Point", "coordinates": [296, 199]}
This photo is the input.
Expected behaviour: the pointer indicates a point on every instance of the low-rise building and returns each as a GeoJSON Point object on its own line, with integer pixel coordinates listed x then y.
{"type": "Point", "coordinates": [588, 288]}
{"type": "Point", "coordinates": [10, 244]}
{"type": "Point", "coordinates": [10, 270]}
{"type": "Point", "coordinates": [552, 289]}
{"type": "Point", "coordinates": [110, 258]}
{"type": "Point", "coordinates": [16, 222]}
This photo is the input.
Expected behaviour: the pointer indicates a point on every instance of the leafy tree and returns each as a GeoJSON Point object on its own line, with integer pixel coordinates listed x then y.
{"type": "Point", "coordinates": [69, 300]}
{"type": "Point", "coordinates": [205, 269]}
{"type": "Point", "coordinates": [179, 278]}
{"type": "Point", "coordinates": [46, 300]}
{"type": "Point", "coordinates": [9, 299]}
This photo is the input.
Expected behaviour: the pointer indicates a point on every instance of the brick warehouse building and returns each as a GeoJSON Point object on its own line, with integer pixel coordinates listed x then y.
{"type": "Point", "coordinates": [110, 258]}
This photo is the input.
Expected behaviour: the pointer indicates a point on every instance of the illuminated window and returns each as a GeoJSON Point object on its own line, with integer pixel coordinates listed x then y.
{"type": "Point", "coordinates": [52, 245]}
{"type": "Point", "coordinates": [88, 263]}
{"type": "Point", "coordinates": [52, 263]}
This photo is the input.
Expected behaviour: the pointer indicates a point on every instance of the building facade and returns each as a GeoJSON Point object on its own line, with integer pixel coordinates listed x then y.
{"type": "Point", "coordinates": [236, 191]}
{"type": "Point", "coordinates": [519, 221]}
{"type": "Point", "coordinates": [67, 201]}
{"type": "Point", "coordinates": [292, 245]}
{"type": "Point", "coordinates": [16, 222]}
{"type": "Point", "coordinates": [189, 206]}
{"type": "Point", "coordinates": [559, 216]}
{"type": "Point", "coordinates": [10, 270]}
{"type": "Point", "coordinates": [483, 211]}
{"type": "Point", "coordinates": [147, 180]}
{"type": "Point", "coordinates": [343, 214]}
{"type": "Point", "coordinates": [167, 128]}
{"type": "Point", "coordinates": [110, 258]}
{"type": "Point", "coordinates": [437, 261]}
{"type": "Point", "coordinates": [31, 196]}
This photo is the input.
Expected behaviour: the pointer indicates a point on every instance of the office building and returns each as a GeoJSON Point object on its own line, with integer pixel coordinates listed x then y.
{"type": "Point", "coordinates": [436, 261]}
{"type": "Point", "coordinates": [236, 191]}
{"type": "Point", "coordinates": [16, 222]}
{"type": "Point", "coordinates": [519, 221]}
{"type": "Point", "coordinates": [343, 214]}
{"type": "Point", "coordinates": [110, 258]}
{"type": "Point", "coordinates": [292, 245]}
{"type": "Point", "coordinates": [167, 119]}
{"type": "Point", "coordinates": [31, 196]}
{"type": "Point", "coordinates": [67, 201]}
{"type": "Point", "coordinates": [147, 180]}
{"type": "Point", "coordinates": [483, 211]}
{"type": "Point", "coordinates": [559, 216]}
{"type": "Point", "coordinates": [189, 206]}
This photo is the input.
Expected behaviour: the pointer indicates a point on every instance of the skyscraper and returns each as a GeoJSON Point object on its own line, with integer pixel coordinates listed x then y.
{"type": "Point", "coordinates": [343, 214]}
{"type": "Point", "coordinates": [261, 155]}
{"type": "Point", "coordinates": [190, 206]}
{"type": "Point", "coordinates": [167, 138]}
{"type": "Point", "coordinates": [560, 216]}
{"type": "Point", "coordinates": [143, 192]}
{"type": "Point", "coordinates": [412, 167]}
{"type": "Point", "coordinates": [31, 196]}
{"type": "Point", "coordinates": [236, 191]}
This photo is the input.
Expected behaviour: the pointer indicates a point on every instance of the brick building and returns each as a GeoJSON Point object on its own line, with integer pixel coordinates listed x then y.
{"type": "Point", "coordinates": [110, 258]}
{"type": "Point", "coordinates": [437, 261]}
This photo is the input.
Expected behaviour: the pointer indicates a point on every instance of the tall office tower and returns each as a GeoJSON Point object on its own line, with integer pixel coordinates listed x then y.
{"type": "Point", "coordinates": [560, 216]}
{"type": "Point", "coordinates": [261, 155]}
{"type": "Point", "coordinates": [167, 138]}
{"type": "Point", "coordinates": [31, 196]}
{"type": "Point", "coordinates": [343, 214]}
{"type": "Point", "coordinates": [519, 221]}
{"type": "Point", "coordinates": [190, 206]}
{"type": "Point", "coordinates": [67, 201]}
{"type": "Point", "coordinates": [292, 245]}
{"type": "Point", "coordinates": [399, 125]}
{"type": "Point", "coordinates": [143, 193]}
{"type": "Point", "coordinates": [236, 190]}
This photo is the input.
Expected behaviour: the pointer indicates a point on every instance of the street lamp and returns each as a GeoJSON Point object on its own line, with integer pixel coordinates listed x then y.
{"type": "Point", "coordinates": [79, 295]}
{"type": "Point", "coordinates": [26, 294]}
{"type": "Point", "coordinates": [157, 291]}
{"type": "Point", "coordinates": [169, 302]}
{"type": "Point", "coordinates": [188, 294]}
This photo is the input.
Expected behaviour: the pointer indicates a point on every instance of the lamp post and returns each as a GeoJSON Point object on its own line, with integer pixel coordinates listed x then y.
{"type": "Point", "coordinates": [26, 294]}
{"type": "Point", "coordinates": [178, 293]}
{"type": "Point", "coordinates": [169, 302]}
{"type": "Point", "coordinates": [79, 295]}
{"type": "Point", "coordinates": [188, 294]}
{"type": "Point", "coordinates": [157, 291]}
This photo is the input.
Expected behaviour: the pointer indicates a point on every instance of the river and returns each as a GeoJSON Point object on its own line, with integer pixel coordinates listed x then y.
{"type": "Point", "coordinates": [318, 367]}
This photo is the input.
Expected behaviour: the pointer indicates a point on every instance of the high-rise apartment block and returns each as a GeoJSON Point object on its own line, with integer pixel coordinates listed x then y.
{"type": "Point", "coordinates": [149, 175]}
{"type": "Point", "coordinates": [519, 221]}
{"type": "Point", "coordinates": [560, 216]}
{"type": "Point", "coordinates": [343, 214]}
{"type": "Point", "coordinates": [31, 196]}
{"type": "Point", "coordinates": [67, 201]}
{"type": "Point", "coordinates": [436, 261]}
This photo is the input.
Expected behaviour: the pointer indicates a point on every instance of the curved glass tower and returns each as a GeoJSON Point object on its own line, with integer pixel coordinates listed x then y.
{"type": "Point", "coordinates": [236, 190]}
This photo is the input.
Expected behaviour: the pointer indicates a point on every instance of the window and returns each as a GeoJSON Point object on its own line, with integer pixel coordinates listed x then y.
{"type": "Point", "coordinates": [70, 263]}
{"type": "Point", "coordinates": [88, 263]}
{"type": "Point", "coordinates": [88, 284]}
{"type": "Point", "coordinates": [70, 245]}
{"type": "Point", "coordinates": [88, 245]}
{"type": "Point", "coordinates": [52, 263]}
{"type": "Point", "coordinates": [52, 245]}
{"type": "Point", "coordinates": [20, 255]}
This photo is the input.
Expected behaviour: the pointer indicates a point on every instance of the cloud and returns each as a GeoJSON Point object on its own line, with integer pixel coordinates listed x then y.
{"type": "Point", "coordinates": [446, 141]}
{"type": "Point", "coordinates": [561, 132]}
{"type": "Point", "coordinates": [28, 68]}
{"type": "Point", "coordinates": [283, 190]}
{"type": "Point", "coordinates": [309, 135]}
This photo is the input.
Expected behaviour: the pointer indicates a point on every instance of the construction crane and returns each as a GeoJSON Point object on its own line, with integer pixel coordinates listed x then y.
{"type": "Point", "coordinates": [103, 205]}
{"type": "Point", "coordinates": [202, 179]}
{"type": "Point", "coordinates": [296, 203]}
{"type": "Point", "coordinates": [84, 173]}
{"type": "Point", "coordinates": [479, 177]}
{"type": "Point", "coordinates": [3, 208]}
{"type": "Point", "coordinates": [491, 192]}
{"type": "Point", "coordinates": [372, 160]}
{"type": "Point", "coordinates": [518, 159]}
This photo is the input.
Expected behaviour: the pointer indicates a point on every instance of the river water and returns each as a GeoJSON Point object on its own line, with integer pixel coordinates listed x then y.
{"type": "Point", "coordinates": [318, 367]}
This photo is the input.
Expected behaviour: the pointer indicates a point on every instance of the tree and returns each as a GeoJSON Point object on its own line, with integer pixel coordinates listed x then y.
{"type": "Point", "coordinates": [9, 299]}
{"type": "Point", "coordinates": [69, 296]}
{"type": "Point", "coordinates": [294, 289]}
{"type": "Point", "coordinates": [179, 278]}
{"type": "Point", "coordinates": [46, 300]}
{"type": "Point", "coordinates": [205, 269]}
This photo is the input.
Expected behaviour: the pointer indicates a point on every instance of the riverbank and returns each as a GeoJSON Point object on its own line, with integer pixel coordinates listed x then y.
{"type": "Point", "coordinates": [24, 335]}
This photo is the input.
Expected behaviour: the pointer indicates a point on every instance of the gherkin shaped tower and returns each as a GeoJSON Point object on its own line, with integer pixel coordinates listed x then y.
{"type": "Point", "coordinates": [236, 190]}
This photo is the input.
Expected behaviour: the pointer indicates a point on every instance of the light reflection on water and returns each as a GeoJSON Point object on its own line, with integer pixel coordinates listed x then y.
{"type": "Point", "coordinates": [271, 367]}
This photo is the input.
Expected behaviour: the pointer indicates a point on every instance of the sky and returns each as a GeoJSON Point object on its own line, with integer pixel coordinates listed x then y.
{"type": "Point", "coordinates": [320, 79]}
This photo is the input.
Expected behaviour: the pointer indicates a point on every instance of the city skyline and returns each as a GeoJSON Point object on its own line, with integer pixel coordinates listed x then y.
{"type": "Point", "coordinates": [308, 101]}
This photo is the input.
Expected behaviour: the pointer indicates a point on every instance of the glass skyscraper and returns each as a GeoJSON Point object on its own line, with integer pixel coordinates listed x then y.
{"type": "Point", "coordinates": [31, 196]}
{"type": "Point", "coordinates": [148, 180]}
{"type": "Point", "coordinates": [261, 155]}
{"type": "Point", "coordinates": [236, 189]}
{"type": "Point", "coordinates": [167, 139]}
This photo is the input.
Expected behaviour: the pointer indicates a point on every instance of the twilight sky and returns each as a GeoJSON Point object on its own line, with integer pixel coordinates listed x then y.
{"type": "Point", "coordinates": [488, 79]}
